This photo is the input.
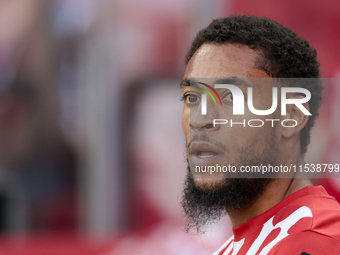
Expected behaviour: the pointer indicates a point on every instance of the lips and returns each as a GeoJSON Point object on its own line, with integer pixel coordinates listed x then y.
{"type": "Point", "coordinates": [204, 153]}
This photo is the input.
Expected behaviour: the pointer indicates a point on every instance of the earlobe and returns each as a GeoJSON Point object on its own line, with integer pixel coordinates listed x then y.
{"type": "Point", "coordinates": [294, 121]}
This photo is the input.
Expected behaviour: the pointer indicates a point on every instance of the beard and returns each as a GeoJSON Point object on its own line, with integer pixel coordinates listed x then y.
{"type": "Point", "coordinates": [206, 203]}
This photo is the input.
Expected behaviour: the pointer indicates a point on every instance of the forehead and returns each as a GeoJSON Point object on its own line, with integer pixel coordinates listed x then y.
{"type": "Point", "coordinates": [227, 60]}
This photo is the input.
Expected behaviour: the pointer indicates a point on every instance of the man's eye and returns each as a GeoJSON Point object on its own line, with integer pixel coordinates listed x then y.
{"type": "Point", "coordinates": [229, 97]}
{"type": "Point", "coordinates": [190, 98]}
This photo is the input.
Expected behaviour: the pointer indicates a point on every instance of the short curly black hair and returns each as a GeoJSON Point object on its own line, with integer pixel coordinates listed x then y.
{"type": "Point", "coordinates": [282, 54]}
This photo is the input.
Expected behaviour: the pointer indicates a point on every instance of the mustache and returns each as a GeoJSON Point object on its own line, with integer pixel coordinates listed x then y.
{"type": "Point", "coordinates": [204, 138]}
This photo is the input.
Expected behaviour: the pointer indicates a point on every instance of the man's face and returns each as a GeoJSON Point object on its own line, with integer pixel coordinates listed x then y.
{"type": "Point", "coordinates": [222, 144]}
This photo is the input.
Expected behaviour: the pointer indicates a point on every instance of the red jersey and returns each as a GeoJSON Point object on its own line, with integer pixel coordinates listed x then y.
{"type": "Point", "coordinates": [306, 222]}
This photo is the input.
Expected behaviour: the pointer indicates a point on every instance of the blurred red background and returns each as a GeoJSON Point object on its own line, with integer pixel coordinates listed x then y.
{"type": "Point", "coordinates": [82, 171]}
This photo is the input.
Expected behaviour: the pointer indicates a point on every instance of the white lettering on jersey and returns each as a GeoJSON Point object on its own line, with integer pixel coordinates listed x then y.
{"type": "Point", "coordinates": [268, 227]}
{"type": "Point", "coordinates": [284, 226]}
{"type": "Point", "coordinates": [237, 246]}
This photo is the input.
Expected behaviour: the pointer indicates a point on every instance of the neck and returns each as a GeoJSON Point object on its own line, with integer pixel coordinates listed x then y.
{"type": "Point", "coordinates": [274, 193]}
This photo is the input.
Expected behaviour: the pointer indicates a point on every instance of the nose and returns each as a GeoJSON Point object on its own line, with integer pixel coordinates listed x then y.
{"type": "Point", "coordinates": [200, 122]}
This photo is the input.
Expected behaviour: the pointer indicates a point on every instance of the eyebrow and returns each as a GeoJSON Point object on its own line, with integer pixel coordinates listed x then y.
{"type": "Point", "coordinates": [225, 80]}
{"type": "Point", "coordinates": [232, 80]}
{"type": "Point", "coordinates": [185, 82]}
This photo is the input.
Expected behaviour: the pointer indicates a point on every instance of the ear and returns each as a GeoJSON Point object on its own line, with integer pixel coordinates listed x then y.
{"type": "Point", "coordinates": [295, 120]}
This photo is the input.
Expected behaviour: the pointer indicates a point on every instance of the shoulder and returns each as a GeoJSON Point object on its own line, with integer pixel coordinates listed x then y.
{"type": "Point", "coordinates": [223, 248]}
{"type": "Point", "coordinates": [306, 243]}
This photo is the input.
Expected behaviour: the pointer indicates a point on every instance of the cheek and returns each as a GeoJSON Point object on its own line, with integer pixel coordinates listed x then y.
{"type": "Point", "coordinates": [186, 124]}
{"type": "Point", "coordinates": [240, 137]}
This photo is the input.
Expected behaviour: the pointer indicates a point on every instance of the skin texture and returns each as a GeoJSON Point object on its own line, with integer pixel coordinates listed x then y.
{"type": "Point", "coordinates": [220, 61]}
